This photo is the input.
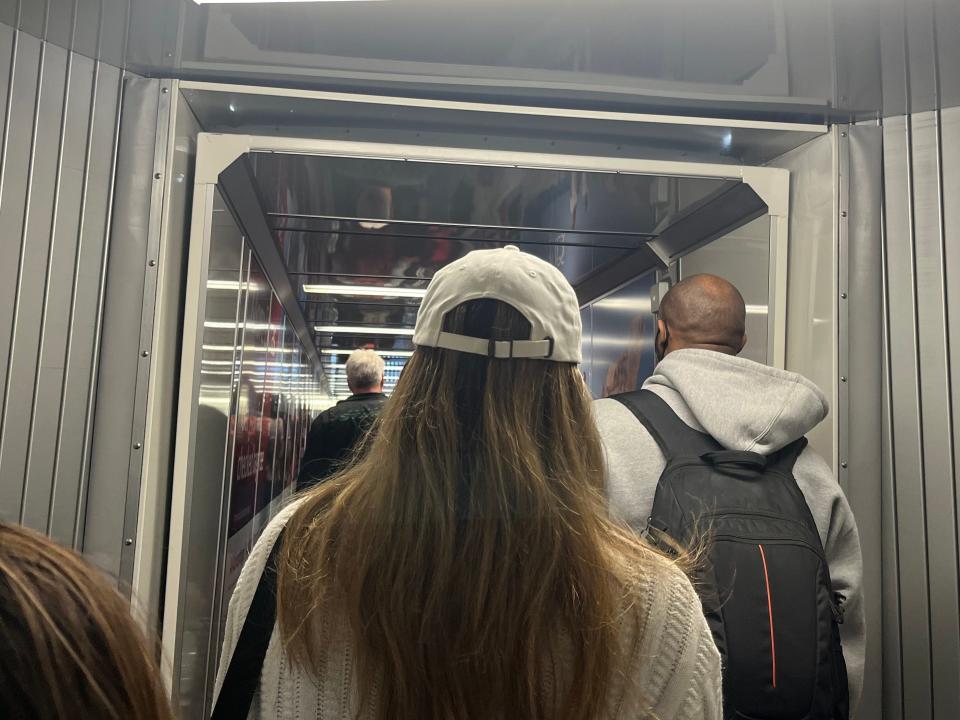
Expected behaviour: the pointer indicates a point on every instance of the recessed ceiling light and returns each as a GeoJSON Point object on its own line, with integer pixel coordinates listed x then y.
{"type": "Point", "coordinates": [364, 291]}
{"type": "Point", "coordinates": [361, 330]}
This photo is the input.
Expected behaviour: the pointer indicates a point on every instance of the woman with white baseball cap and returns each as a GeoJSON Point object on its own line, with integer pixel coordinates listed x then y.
{"type": "Point", "coordinates": [465, 566]}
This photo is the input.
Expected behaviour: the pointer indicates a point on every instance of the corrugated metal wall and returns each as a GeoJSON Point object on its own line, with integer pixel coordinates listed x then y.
{"type": "Point", "coordinates": [59, 117]}
{"type": "Point", "coordinates": [922, 409]}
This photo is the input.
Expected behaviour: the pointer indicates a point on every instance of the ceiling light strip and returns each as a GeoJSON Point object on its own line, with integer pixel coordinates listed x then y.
{"type": "Point", "coordinates": [384, 353]}
{"type": "Point", "coordinates": [362, 330]}
{"type": "Point", "coordinates": [364, 291]}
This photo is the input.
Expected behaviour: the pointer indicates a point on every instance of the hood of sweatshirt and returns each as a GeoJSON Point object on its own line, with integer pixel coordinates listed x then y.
{"type": "Point", "coordinates": [742, 404]}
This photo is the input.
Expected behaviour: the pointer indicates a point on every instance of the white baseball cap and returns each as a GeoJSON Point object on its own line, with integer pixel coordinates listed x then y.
{"type": "Point", "coordinates": [533, 287]}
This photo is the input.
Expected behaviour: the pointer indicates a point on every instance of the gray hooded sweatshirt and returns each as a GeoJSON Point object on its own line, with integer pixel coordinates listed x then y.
{"type": "Point", "coordinates": [743, 405]}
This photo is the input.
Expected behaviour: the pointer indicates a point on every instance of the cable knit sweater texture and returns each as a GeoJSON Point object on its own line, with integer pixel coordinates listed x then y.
{"type": "Point", "coordinates": [671, 670]}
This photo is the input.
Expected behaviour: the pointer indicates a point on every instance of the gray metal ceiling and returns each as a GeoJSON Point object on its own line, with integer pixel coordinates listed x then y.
{"type": "Point", "coordinates": [780, 59]}
{"type": "Point", "coordinates": [368, 230]}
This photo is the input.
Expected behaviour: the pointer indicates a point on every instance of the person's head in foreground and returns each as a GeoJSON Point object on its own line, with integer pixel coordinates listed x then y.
{"type": "Point", "coordinates": [471, 547]}
{"type": "Point", "coordinates": [365, 372]}
{"type": "Point", "coordinates": [68, 645]}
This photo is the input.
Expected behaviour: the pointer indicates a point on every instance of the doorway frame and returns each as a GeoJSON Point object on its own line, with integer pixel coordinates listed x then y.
{"type": "Point", "coordinates": [218, 151]}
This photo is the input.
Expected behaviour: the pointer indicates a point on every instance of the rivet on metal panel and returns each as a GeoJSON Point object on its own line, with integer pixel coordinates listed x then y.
{"type": "Point", "coordinates": [843, 296]}
{"type": "Point", "coordinates": [145, 353]}
{"type": "Point", "coordinates": [128, 542]}
{"type": "Point", "coordinates": [153, 263]}
{"type": "Point", "coordinates": [843, 213]}
{"type": "Point", "coordinates": [165, 90]}
{"type": "Point", "coordinates": [157, 176]}
{"type": "Point", "coordinates": [843, 134]}
{"type": "Point", "coordinates": [137, 446]}
{"type": "Point", "coordinates": [843, 378]}
{"type": "Point", "coordinates": [843, 465]}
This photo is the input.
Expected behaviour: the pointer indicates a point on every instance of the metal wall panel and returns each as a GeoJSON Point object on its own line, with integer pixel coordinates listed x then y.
{"type": "Point", "coordinates": [159, 433]}
{"type": "Point", "coordinates": [55, 305]}
{"type": "Point", "coordinates": [58, 113]}
{"type": "Point", "coordinates": [936, 417]}
{"type": "Point", "coordinates": [921, 398]}
{"type": "Point", "coordinates": [922, 179]}
{"type": "Point", "coordinates": [905, 409]}
{"type": "Point", "coordinates": [116, 455]}
{"type": "Point", "coordinates": [24, 71]}
{"type": "Point", "coordinates": [861, 292]}
{"type": "Point", "coordinates": [950, 192]}
{"type": "Point", "coordinates": [34, 254]}
{"type": "Point", "coordinates": [75, 431]}
{"type": "Point", "coordinates": [811, 321]}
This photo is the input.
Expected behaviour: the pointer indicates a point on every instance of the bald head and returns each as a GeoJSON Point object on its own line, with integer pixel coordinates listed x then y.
{"type": "Point", "coordinates": [702, 311]}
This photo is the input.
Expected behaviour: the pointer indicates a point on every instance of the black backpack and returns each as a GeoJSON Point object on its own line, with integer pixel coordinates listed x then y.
{"type": "Point", "coordinates": [763, 580]}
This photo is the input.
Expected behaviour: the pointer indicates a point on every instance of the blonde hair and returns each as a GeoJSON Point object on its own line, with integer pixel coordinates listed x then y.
{"type": "Point", "coordinates": [68, 645]}
{"type": "Point", "coordinates": [470, 545]}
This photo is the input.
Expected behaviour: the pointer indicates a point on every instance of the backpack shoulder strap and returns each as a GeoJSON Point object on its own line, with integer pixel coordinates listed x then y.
{"type": "Point", "coordinates": [673, 435]}
{"type": "Point", "coordinates": [786, 457]}
{"type": "Point", "coordinates": [243, 674]}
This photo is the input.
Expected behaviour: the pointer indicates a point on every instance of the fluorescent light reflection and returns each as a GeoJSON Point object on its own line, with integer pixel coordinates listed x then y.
{"type": "Point", "coordinates": [383, 353]}
{"type": "Point", "coordinates": [364, 291]}
{"type": "Point", "coordinates": [360, 330]}
{"type": "Point", "coordinates": [227, 325]}
{"type": "Point", "coordinates": [256, 363]}
{"type": "Point", "coordinates": [248, 348]}
{"type": "Point", "coordinates": [233, 285]}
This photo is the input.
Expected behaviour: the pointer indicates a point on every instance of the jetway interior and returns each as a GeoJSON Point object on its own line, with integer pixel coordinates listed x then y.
{"type": "Point", "coordinates": [173, 174]}
{"type": "Point", "coordinates": [323, 246]}
{"type": "Point", "coordinates": [347, 227]}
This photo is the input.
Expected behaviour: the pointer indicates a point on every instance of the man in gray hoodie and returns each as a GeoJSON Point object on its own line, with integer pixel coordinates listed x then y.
{"type": "Point", "coordinates": [744, 406]}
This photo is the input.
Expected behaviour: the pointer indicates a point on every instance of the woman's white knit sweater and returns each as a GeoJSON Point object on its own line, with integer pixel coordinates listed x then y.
{"type": "Point", "coordinates": [672, 672]}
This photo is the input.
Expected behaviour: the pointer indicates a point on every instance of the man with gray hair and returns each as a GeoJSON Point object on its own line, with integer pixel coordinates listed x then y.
{"type": "Point", "coordinates": [336, 431]}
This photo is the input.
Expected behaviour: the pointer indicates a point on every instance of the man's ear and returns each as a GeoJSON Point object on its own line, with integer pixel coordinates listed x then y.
{"type": "Point", "coordinates": [660, 340]}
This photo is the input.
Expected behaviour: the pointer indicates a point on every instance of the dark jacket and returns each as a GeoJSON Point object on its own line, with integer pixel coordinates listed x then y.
{"type": "Point", "coordinates": [333, 435]}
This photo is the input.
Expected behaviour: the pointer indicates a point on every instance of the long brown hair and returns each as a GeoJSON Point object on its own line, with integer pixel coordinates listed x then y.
{"type": "Point", "coordinates": [68, 644]}
{"type": "Point", "coordinates": [469, 544]}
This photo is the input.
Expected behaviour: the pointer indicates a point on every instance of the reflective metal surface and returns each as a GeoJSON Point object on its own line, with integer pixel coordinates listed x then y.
{"type": "Point", "coordinates": [811, 331]}
{"type": "Point", "coordinates": [412, 120]}
{"type": "Point", "coordinates": [489, 197]}
{"type": "Point", "coordinates": [618, 339]}
{"type": "Point", "coordinates": [743, 258]}
{"type": "Point", "coordinates": [250, 400]}
{"type": "Point", "coordinates": [362, 237]}
{"type": "Point", "coordinates": [214, 409]}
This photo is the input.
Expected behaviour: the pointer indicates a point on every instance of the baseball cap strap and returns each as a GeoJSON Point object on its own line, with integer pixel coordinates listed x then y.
{"type": "Point", "coordinates": [496, 348]}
